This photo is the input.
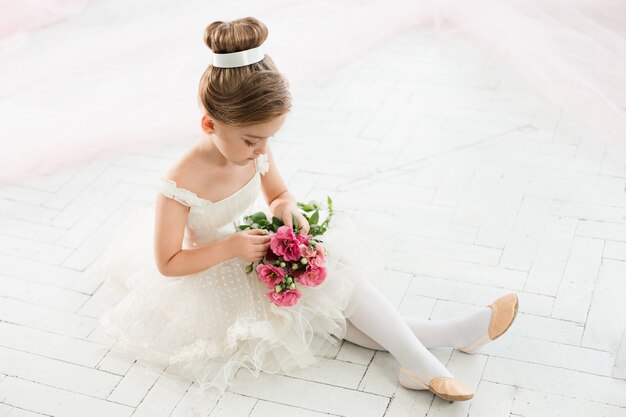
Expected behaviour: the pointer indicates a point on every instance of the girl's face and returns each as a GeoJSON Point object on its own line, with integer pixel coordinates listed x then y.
{"type": "Point", "coordinates": [241, 145]}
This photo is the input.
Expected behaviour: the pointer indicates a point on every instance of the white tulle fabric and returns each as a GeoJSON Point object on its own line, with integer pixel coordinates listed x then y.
{"type": "Point", "coordinates": [208, 325]}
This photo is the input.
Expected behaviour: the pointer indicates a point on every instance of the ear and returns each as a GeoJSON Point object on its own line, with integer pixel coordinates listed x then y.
{"type": "Point", "coordinates": [207, 124]}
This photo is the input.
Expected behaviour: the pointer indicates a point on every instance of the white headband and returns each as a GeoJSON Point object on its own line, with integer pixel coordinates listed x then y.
{"type": "Point", "coordinates": [238, 59]}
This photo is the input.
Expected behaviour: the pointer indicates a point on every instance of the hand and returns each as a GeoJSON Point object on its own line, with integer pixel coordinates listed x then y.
{"type": "Point", "coordinates": [288, 221]}
{"type": "Point", "coordinates": [250, 245]}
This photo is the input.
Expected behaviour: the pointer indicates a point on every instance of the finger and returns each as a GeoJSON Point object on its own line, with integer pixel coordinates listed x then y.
{"type": "Point", "coordinates": [288, 218]}
{"type": "Point", "coordinates": [257, 231]}
{"type": "Point", "coordinates": [305, 226]}
{"type": "Point", "coordinates": [302, 220]}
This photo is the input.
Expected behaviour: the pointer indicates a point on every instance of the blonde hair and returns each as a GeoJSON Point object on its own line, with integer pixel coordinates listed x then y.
{"type": "Point", "coordinates": [245, 95]}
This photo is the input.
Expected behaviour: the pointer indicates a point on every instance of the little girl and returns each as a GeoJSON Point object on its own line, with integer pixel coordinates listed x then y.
{"type": "Point", "coordinates": [194, 308]}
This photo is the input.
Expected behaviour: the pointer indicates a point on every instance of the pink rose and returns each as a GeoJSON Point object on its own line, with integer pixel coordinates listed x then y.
{"type": "Point", "coordinates": [270, 274]}
{"type": "Point", "coordinates": [320, 251]}
{"type": "Point", "coordinates": [313, 276]}
{"type": "Point", "coordinates": [285, 298]}
{"type": "Point", "coordinates": [303, 239]}
{"type": "Point", "coordinates": [320, 258]}
{"type": "Point", "coordinates": [306, 252]}
{"type": "Point", "coordinates": [318, 261]}
{"type": "Point", "coordinates": [284, 243]}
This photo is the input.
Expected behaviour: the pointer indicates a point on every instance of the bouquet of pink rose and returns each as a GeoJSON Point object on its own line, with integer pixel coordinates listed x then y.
{"type": "Point", "coordinates": [292, 257]}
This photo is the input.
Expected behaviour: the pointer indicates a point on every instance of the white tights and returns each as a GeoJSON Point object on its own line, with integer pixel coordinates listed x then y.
{"type": "Point", "coordinates": [375, 323]}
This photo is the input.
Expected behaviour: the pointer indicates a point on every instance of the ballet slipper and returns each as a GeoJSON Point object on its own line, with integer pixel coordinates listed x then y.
{"type": "Point", "coordinates": [448, 388]}
{"type": "Point", "coordinates": [504, 310]}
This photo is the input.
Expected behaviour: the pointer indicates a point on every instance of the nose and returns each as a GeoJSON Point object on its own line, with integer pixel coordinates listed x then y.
{"type": "Point", "coordinates": [261, 148]}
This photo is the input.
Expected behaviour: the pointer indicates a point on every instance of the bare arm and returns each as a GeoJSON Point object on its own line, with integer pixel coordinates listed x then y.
{"type": "Point", "coordinates": [190, 261]}
{"type": "Point", "coordinates": [171, 259]}
{"type": "Point", "coordinates": [281, 202]}
{"type": "Point", "coordinates": [274, 188]}
{"type": "Point", "coordinates": [278, 198]}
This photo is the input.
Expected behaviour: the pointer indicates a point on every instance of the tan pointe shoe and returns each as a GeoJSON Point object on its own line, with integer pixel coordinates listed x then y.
{"type": "Point", "coordinates": [504, 310]}
{"type": "Point", "coordinates": [448, 388]}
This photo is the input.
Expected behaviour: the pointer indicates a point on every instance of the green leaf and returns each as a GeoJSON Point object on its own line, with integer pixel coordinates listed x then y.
{"type": "Point", "coordinates": [310, 206]}
{"type": "Point", "coordinates": [258, 217]}
{"type": "Point", "coordinates": [311, 212]}
{"type": "Point", "coordinates": [315, 217]}
{"type": "Point", "coordinates": [295, 221]}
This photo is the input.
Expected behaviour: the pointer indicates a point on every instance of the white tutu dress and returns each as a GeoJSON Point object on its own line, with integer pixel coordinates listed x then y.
{"type": "Point", "coordinates": [209, 324]}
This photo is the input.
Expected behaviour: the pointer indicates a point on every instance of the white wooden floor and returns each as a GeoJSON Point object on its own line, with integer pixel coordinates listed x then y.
{"type": "Point", "coordinates": [482, 186]}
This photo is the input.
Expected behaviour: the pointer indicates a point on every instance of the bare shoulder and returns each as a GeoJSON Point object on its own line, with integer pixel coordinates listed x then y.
{"type": "Point", "coordinates": [181, 170]}
{"type": "Point", "coordinates": [177, 172]}
{"type": "Point", "coordinates": [170, 217]}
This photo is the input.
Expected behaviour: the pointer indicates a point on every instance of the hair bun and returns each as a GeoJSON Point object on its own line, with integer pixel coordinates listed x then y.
{"type": "Point", "coordinates": [236, 35]}
{"type": "Point", "coordinates": [245, 95]}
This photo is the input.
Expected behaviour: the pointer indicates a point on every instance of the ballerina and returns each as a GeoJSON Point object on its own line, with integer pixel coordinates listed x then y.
{"type": "Point", "coordinates": [196, 309]}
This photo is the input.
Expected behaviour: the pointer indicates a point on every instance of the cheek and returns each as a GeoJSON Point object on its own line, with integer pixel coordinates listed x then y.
{"type": "Point", "coordinates": [240, 150]}
{"type": "Point", "coordinates": [243, 149]}
{"type": "Point", "coordinates": [230, 149]}
{"type": "Point", "coordinates": [233, 147]}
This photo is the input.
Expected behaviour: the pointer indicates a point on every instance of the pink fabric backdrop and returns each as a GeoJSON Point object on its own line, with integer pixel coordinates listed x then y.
{"type": "Point", "coordinates": [124, 74]}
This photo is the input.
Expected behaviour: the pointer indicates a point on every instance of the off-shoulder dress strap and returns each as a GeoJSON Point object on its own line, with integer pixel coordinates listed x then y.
{"type": "Point", "coordinates": [169, 189]}
{"type": "Point", "coordinates": [262, 163]}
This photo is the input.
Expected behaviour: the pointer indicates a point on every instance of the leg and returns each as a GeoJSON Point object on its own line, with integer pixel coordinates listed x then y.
{"type": "Point", "coordinates": [455, 332]}
{"type": "Point", "coordinates": [354, 335]}
{"type": "Point", "coordinates": [373, 314]}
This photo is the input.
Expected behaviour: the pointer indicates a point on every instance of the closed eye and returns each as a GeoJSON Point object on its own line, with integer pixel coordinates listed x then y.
{"type": "Point", "coordinates": [251, 144]}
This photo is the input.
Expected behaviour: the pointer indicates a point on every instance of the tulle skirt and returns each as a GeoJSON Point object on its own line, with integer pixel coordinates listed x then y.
{"type": "Point", "coordinates": [208, 325]}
